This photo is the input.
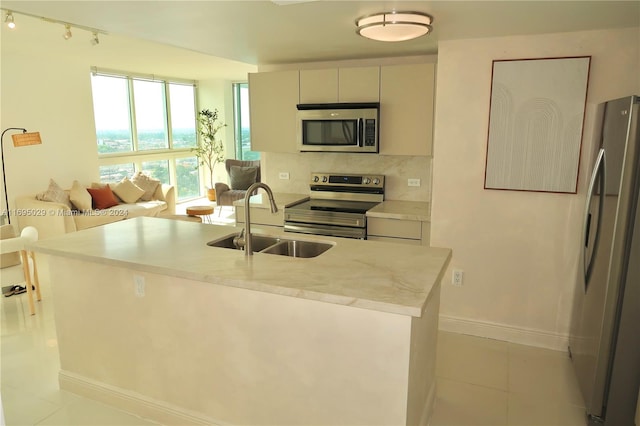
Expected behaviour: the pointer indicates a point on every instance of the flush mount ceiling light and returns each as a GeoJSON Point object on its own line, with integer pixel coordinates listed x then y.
{"type": "Point", "coordinates": [394, 26]}
{"type": "Point", "coordinates": [67, 32]}
{"type": "Point", "coordinates": [9, 20]}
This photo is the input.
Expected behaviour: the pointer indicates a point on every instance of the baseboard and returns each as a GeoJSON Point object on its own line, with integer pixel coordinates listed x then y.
{"type": "Point", "coordinates": [523, 336]}
{"type": "Point", "coordinates": [131, 402]}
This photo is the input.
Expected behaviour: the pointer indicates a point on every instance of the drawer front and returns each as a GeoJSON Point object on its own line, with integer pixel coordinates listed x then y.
{"type": "Point", "coordinates": [394, 228]}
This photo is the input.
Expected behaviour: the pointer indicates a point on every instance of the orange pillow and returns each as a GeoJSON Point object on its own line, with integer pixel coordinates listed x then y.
{"type": "Point", "coordinates": [102, 198]}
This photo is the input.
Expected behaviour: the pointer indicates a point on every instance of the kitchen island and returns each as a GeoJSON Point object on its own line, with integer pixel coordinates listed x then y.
{"type": "Point", "coordinates": [152, 320]}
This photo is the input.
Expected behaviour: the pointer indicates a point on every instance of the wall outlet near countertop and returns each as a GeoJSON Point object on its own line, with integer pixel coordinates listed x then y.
{"type": "Point", "coordinates": [283, 175]}
{"type": "Point", "coordinates": [457, 276]}
{"type": "Point", "coordinates": [138, 285]}
{"type": "Point", "coordinates": [413, 182]}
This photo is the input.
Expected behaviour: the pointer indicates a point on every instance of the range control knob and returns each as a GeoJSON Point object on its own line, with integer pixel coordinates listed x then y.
{"type": "Point", "coordinates": [366, 181]}
{"type": "Point", "coordinates": [376, 181]}
{"type": "Point", "coordinates": [324, 179]}
{"type": "Point", "coordinates": [316, 178]}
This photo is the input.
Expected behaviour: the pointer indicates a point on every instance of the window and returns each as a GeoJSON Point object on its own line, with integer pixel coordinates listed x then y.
{"type": "Point", "coordinates": [146, 125]}
{"type": "Point", "coordinates": [241, 123]}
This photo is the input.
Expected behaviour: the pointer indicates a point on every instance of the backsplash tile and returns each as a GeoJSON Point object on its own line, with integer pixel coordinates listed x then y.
{"type": "Point", "coordinates": [397, 169]}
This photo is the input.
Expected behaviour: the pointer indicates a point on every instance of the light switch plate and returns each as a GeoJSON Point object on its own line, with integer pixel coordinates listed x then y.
{"type": "Point", "coordinates": [283, 175]}
{"type": "Point", "coordinates": [413, 182]}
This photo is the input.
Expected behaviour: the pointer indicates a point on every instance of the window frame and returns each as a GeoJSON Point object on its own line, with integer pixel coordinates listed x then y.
{"type": "Point", "coordinates": [170, 154]}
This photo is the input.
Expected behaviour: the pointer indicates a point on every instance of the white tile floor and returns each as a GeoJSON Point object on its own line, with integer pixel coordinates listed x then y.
{"type": "Point", "coordinates": [480, 381]}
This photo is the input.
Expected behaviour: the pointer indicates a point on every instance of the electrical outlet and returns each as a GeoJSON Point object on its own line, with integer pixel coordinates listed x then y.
{"type": "Point", "coordinates": [283, 175]}
{"type": "Point", "coordinates": [413, 182]}
{"type": "Point", "coordinates": [138, 285]}
{"type": "Point", "coordinates": [457, 277]}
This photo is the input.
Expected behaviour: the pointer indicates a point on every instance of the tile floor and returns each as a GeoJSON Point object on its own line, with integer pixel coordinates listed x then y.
{"type": "Point", "coordinates": [480, 381]}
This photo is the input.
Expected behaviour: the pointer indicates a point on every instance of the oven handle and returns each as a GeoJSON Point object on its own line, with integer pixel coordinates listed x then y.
{"type": "Point", "coordinates": [329, 231]}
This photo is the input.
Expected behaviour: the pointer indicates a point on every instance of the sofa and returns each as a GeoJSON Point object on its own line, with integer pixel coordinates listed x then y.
{"type": "Point", "coordinates": [58, 211]}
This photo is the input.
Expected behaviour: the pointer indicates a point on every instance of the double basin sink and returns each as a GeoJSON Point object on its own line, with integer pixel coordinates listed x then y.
{"type": "Point", "coordinates": [275, 245]}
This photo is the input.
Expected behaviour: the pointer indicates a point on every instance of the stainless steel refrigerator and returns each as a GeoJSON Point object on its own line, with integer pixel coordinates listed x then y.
{"type": "Point", "coordinates": [604, 342]}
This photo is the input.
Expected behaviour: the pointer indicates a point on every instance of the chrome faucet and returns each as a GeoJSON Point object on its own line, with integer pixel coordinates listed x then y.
{"type": "Point", "coordinates": [244, 239]}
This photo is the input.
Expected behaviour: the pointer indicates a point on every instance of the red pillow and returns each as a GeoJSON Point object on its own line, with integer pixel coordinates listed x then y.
{"type": "Point", "coordinates": [102, 198]}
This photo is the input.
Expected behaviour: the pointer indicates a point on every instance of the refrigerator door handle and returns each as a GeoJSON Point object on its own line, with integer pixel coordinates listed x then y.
{"type": "Point", "coordinates": [598, 169]}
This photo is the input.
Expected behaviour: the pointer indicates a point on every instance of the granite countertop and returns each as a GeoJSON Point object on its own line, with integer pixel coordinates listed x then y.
{"type": "Point", "coordinates": [386, 277]}
{"type": "Point", "coordinates": [283, 199]}
{"type": "Point", "coordinates": [407, 210]}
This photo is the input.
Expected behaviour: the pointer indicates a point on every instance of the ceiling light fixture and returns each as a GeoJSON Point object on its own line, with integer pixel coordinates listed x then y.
{"type": "Point", "coordinates": [94, 39]}
{"type": "Point", "coordinates": [9, 20]}
{"type": "Point", "coordinates": [67, 32]}
{"type": "Point", "coordinates": [394, 26]}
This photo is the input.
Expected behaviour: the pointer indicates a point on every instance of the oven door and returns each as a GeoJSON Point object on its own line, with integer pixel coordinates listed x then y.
{"type": "Point", "coordinates": [327, 230]}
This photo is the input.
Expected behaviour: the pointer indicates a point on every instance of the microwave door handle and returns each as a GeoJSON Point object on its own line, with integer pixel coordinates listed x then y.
{"type": "Point", "coordinates": [360, 132]}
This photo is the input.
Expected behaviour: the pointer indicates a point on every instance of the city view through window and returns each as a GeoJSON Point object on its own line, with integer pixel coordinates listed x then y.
{"type": "Point", "coordinates": [147, 126]}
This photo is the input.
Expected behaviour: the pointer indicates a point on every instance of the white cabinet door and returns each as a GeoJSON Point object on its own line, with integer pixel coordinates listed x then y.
{"type": "Point", "coordinates": [352, 84]}
{"type": "Point", "coordinates": [359, 84]}
{"type": "Point", "coordinates": [273, 97]}
{"type": "Point", "coordinates": [406, 109]}
{"type": "Point", "coordinates": [319, 86]}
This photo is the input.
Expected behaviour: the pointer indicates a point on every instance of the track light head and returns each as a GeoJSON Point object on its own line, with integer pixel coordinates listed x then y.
{"type": "Point", "coordinates": [94, 39]}
{"type": "Point", "coordinates": [9, 20]}
{"type": "Point", "coordinates": [67, 32]}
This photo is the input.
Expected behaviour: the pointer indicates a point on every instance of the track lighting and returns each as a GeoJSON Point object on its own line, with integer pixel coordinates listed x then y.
{"type": "Point", "coordinates": [95, 32]}
{"type": "Point", "coordinates": [67, 32]}
{"type": "Point", "coordinates": [9, 20]}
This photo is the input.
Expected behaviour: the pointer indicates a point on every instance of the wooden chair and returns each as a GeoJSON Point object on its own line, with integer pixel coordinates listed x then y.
{"type": "Point", "coordinates": [225, 194]}
{"type": "Point", "coordinates": [24, 271]}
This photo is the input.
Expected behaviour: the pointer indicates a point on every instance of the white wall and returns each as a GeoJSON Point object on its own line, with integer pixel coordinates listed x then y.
{"type": "Point", "coordinates": [519, 250]}
{"type": "Point", "coordinates": [46, 87]}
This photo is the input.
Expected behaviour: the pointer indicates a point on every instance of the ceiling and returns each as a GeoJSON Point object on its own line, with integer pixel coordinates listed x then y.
{"type": "Point", "coordinates": [266, 32]}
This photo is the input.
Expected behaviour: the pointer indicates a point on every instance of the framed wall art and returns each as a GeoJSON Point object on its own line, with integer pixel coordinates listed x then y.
{"type": "Point", "coordinates": [536, 121]}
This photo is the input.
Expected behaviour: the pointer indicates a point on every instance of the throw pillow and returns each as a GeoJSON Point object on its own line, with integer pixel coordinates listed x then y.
{"type": "Point", "coordinates": [80, 197]}
{"type": "Point", "coordinates": [127, 191]}
{"type": "Point", "coordinates": [55, 194]}
{"type": "Point", "coordinates": [147, 183]}
{"type": "Point", "coordinates": [242, 177]}
{"type": "Point", "coordinates": [103, 198]}
{"type": "Point", "coordinates": [8, 259]}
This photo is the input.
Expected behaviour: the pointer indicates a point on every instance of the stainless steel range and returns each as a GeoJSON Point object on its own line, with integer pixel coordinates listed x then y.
{"type": "Point", "coordinates": [337, 206]}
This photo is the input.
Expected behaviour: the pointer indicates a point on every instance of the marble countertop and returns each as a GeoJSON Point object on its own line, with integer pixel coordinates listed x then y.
{"type": "Point", "coordinates": [283, 199]}
{"type": "Point", "coordinates": [386, 277]}
{"type": "Point", "coordinates": [407, 210]}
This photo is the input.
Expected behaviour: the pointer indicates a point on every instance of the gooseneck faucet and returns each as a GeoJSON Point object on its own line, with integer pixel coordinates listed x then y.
{"type": "Point", "coordinates": [245, 236]}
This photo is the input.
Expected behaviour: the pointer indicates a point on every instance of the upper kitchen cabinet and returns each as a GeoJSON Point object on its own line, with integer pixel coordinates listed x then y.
{"type": "Point", "coordinates": [273, 97]}
{"type": "Point", "coordinates": [357, 84]}
{"type": "Point", "coordinates": [318, 86]}
{"type": "Point", "coordinates": [406, 109]}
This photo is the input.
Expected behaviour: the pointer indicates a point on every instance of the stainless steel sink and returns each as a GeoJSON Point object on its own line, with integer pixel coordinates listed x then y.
{"type": "Point", "coordinates": [260, 242]}
{"type": "Point", "coordinates": [275, 245]}
{"type": "Point", "coordinates": [295, 248]}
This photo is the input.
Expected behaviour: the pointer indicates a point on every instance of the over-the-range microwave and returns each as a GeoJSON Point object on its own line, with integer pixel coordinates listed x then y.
{"type": "Point", "coordinates": [338, 127]}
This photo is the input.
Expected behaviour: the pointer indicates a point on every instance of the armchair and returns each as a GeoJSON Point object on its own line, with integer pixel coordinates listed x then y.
{"type": "Point", "coordinates": [242, 174]}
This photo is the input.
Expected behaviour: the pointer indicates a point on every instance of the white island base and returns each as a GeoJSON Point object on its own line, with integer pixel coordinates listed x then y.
{"type": "Point", "coordinates": [182, 351]}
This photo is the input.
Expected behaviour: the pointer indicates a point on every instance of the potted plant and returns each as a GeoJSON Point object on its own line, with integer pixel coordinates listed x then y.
{"type": "Point", "coordinates": [210, 151]}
